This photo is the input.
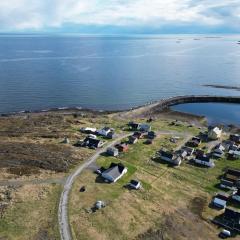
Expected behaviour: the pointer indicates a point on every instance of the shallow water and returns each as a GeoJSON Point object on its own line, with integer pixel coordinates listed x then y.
{"type": "Point", "coordinates": [40, 71]}
{"type": "Point", "coordinates": [223, 113]}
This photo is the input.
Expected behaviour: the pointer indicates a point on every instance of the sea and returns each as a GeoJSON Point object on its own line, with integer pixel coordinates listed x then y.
{"type": "Point", "coordinates": [113, 72]}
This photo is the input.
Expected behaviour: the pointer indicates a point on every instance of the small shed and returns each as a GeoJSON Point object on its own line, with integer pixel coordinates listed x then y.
{"type": "Point", "coordinates": [132, 139]}
{"type": "Point", "coordinates": [111, 151]}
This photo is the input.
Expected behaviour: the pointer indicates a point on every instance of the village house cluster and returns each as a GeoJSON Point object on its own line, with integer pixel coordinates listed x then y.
{"type": "Point", "coordinates": [194, 151]}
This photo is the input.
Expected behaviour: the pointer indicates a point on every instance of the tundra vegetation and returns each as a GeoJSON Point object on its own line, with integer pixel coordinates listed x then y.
{"type": "Point", "coordinates": [34, 163]}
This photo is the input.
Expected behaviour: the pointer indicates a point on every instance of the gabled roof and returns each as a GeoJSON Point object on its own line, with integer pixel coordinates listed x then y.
{"type": "Point", "coordinates": [114, 170]}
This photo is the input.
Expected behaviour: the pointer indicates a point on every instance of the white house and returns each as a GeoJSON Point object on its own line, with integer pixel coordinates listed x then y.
{"type": "Point", "coordinates": [204, 160]}
{"type": "Point", "coordinates": [214, 133]}
{"type": "Point", "coordinates": [114, 172]}
{"type": "Point", "coordinates": [88, 130]}
{"type": "Point", "coordinates": [104, 131]}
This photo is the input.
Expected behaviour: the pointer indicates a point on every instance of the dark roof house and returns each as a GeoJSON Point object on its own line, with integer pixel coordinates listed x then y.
{"type": "Point", "coordinates": [114, 172]}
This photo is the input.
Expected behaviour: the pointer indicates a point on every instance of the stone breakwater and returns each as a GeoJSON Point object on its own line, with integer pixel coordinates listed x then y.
{"type": "Point", "coordinates": [165, 103]}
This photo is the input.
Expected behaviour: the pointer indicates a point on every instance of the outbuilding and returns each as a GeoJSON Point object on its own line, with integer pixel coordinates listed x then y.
{"type": "Point", "coordinates": [111, 151]}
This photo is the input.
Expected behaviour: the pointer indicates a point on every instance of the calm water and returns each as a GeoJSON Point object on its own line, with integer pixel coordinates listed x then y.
{"type": "Point", "coordinates": [215, 112]}
{"type": "Point", "coordinates": [39, 72]}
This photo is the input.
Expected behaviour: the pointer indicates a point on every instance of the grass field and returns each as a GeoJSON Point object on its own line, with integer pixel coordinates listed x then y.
{"type": "Point", "coordinates": [173, 202]}
{"type": "Point", "coordinates": [32, 214]}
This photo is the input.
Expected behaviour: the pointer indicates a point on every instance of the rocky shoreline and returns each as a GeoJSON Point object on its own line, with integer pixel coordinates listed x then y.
{"type": "Point", "coordinates": [158, 105]}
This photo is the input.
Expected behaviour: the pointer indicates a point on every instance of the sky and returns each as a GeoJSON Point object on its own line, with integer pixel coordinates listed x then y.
{"type": "Point", "coordinates": [120, 16]}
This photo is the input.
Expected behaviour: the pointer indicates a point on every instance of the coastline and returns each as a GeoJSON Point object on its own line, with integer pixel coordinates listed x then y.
{"type": "Point", "coordinates": [151, 107]}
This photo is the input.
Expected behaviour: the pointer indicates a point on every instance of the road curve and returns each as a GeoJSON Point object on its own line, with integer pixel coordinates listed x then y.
{"type": "Point", "coordinates": [64, 226]}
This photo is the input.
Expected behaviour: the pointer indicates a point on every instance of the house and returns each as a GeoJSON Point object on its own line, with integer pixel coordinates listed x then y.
{"type": "Point", "coordinates": [229, 145]}
{"type": "Point", "coordinates": [143, 127]}
{"type": "Point", "coordinates": [189, 150]}
{"type": "Point", "coordinates": [236, 195]}
{"type": "Point", "coordinates": [132, 139]}
{"type": "Point", "coordinates": [111, 151]}
{"type": "Point", "coordinates": [105, 131]}
{"type": "Point", "coordinates": [204, 160]}
{"type": "Point", "coordinates": [214, 133]}
{"type": "Point", "coordinates": [151, 135]}
{"type": "Point", "coordinates": [123, 147]}
{"type": "Point", "coordinates": [233, 216]}
{"type": "Point", "coordinates": [138, 135]}
{"type": "Point", "coordinates": [135, 184]}
{"type": "Point", "coordinates": [170, 157]}
{"type": "Point", "coordinates": [235, 138]}
{"type": "Point", "coordinates": [225, 184]}
{"type": "Point", "coordinates": [88, 130]}
{"type": "Point", "coordinates": [133, 126]}
{"type": "Point", "coordinates": [114, 172]}
{"type": "Point", "coordinates": [234, 154]}
{"type": "Point", "coordinates": [92, 142]}
{"type": "Point", "coordinates": [220, 200]}
{"type": "Point", "coordinates": [218, 151]}
{"type": "Point", "coordinates": [194, 142]}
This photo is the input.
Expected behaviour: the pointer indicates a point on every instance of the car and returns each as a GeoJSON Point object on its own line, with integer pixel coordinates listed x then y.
{"type": "Point", "coordinates": [224, 234]}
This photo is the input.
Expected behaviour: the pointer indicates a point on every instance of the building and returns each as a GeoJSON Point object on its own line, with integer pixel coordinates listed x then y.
{"type": "Point", "coordinates": [214, 133]}
{"type": "Point", "coordinates": [132, 139]}
{"type": "Point", "coordinates": [220, 200]}
{"type": "Point", "coordinates": [170, 157]}
{"type": "Point", "coordinates": [111, 151]}
{"type": "Point", "coordinates": [234, 154]}
{"type": "Point", "coordinates": [92, 142]}
{"type": "Point", "coordinates": [133, 126]}
{"type": "Point", "coordinates": [235, 138]}
{"type": "Point", "coordinates": [105, 132]}
{"type": "Point", "coordinates": [189, 150]}
{"type": "Point", "coordinates": [143, 127]}
{"type": "Point", "coordinates": [218, 151]}
{"type": "Point", "coordinates": [204, 160]}
{"type": "Point", "coordinates": [114, 172]}
{"type": "Point", "coordinates": [135, 184]}
{"type": "Point", "coordinates": [233, 216]}
{"type": "Point", "coordinates": [123, 147]}
{"type": "Point", "coordinates": [88, 130]}
{"type": "Point", "coordinates": [138, 135]}
{"type": "Point", "coordinates": [194, 142]}
{"type": "Point", "coordinates": [236, 195]}
{"type": "Point", "coordinates": [225, 184]}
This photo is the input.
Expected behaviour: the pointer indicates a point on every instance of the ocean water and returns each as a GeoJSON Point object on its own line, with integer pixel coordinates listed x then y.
{"type": "Point", "coordinates": [216, 113]}
{"type": "Point", "coordinates": [112, 72]}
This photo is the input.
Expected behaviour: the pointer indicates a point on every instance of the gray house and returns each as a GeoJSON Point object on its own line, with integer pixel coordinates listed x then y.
{"type": "Point", "coordinates": [112, 151]}
{"type": "Point", "coordinates": [114, 172]}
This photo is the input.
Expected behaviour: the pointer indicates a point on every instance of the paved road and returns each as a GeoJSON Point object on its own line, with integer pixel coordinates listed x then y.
{"type": "Point", "coordinates": [63, 220]}
{"type": "Point", "coordinates": [64, 226]}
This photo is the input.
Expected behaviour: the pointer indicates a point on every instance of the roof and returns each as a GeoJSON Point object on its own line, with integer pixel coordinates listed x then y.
{"type": "Point", "coordinates": [232, 214]}
{"type": "Point", "coordinates": [204, 158]}
{"type": "Point", "coordinates": [166, 154]}
{"type": "Point", "coordinates": [234, 172]}
{"type": "Point", "coordinates": [134, 182]}
{"type": "Point", "coordinates": [114, 170]}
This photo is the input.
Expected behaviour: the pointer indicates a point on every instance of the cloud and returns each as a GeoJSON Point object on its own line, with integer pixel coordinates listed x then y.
{"type": "Point", "coordinates": [45, 14]}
